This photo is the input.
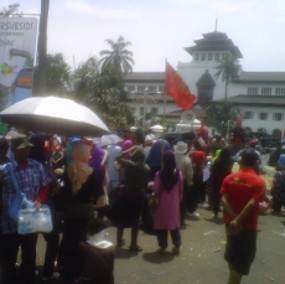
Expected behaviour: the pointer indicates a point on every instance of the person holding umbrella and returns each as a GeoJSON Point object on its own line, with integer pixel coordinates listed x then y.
{"type": "Point", "coordinates": [83, 193]}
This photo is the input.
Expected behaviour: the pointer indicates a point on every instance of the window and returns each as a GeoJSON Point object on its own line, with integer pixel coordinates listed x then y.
{"type": "Point", "coordinates": [151, 89]}
{"type": "Point", "coordinates": [263, 115]}
{"type": "Point", "coordinates": [265, 91]}
{"type": "Point", "coordinates": [248, 115]}
{"type": "Point", "coordinates": [280, 91]}
{"type": "Point", "coordinates": [210, 56]}
{"type": "Point", "coordinates": [252, 91]}
{"type": "Point", "coordinates": [142, 89]}
{"type": "Point", "coordinates": [217, 56]}
{"type": "Point", "coordinates": [203, 56]}
{"type": "Point", "coordinates": [196, 56]}
{"type": "Point", "coordinates": [131, 88]}
{"type": "Point", "coordinates": [141, 111]}
{"type": "Point", "coordinates": [154, 110]}
{"type": "Point", "coordinates": [277, 116]}
{"type": "Point", "coordinates": [161, 89]}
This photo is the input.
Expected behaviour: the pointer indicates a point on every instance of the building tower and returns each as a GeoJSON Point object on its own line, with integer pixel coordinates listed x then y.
{"type": "Point", "coordinates": [200, 73]}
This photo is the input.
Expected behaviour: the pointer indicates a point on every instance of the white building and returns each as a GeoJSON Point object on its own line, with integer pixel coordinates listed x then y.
{"type": "Point", "coordinates": [259, 96]}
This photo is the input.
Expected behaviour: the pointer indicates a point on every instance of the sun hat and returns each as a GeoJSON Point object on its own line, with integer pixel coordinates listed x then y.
{"type": "Point", "coordinates": [180, 148]}
{"type": "Point", "coordinates": [20, 141]}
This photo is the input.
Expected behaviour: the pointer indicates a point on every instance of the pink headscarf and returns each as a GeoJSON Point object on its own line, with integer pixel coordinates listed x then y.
{"type": "Point", "coordinates": [127, 144]}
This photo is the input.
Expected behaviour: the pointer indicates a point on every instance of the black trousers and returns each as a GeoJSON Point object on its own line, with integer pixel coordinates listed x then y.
{"type": "Point", "coordinates": [10, 245]}
{"type": "Point", "coordinates": [162, 237]}
{"type": "Point", "coordinates": [195, 193]}
{"type": "Point", "coordinates": [184, 204]}
{"type": "Point", "coordinates": [52, 241]}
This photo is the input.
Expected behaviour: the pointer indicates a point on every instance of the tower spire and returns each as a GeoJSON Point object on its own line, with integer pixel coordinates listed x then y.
{"type": "Point", "coordinates": [216, 25]}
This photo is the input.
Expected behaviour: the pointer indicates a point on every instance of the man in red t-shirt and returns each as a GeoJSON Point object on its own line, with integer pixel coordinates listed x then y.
{"type": "Point", "coordinates": [197, 191]}
{"type": "Point", "coordinates": [241, 192]}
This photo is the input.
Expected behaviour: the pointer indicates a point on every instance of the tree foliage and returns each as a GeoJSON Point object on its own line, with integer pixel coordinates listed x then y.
{"type": "Point", "coordinates": [221, 116]}
{"type": "Point", "coordinates": [58, 76]}
{"type": "Point", "coordinates": [11, 10]}
{"type": "Point", "coordinates": [119, 60]}
{"type": "Point", "coordinates": [103, 92]}
{"type": "Point", "coordinates": [227, 68]}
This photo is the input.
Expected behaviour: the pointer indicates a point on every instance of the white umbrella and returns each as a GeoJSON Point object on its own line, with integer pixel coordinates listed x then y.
{"type": "Point", "coordinates": [110, 139]}
{"type": "Point", "coordinates": [157, 128]}
{"type": "Point", "coordinates": [54, 115]}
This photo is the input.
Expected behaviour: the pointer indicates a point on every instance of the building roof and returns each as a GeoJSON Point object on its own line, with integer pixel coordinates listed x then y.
{"type": "Point", "coordinates": [214, 41]}
{"type": "Point", "coordinates": [255, 100]}
{"type": "Point", "coordinates": [145, 77]}
{"type": "Point", "coordinates": [261, 77]}
{"type": "Point", "coordinates": [244, 77]}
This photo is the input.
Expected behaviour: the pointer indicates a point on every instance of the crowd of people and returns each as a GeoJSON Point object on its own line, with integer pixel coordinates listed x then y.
{"type": "Point", "coordinates": [139, 182]}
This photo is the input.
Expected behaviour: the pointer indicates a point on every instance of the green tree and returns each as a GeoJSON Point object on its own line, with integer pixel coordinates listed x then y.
{"type": "Point", "coordinates": [85, 79]}
{"type": "Point", "coordinates": [58, 77]}
{"type": "Point", "coordinates": [11, 10]}
{"type": "Point", "coordinates": [221, 116]}
{"type": "Point", "coordinates": [101, 92]}
{"type": "Point", "coordinates": [119, 60]}
{"type": "Point", "coordinates": [227, 68]}
{"type": "Point", "coordinates": [42, 46]}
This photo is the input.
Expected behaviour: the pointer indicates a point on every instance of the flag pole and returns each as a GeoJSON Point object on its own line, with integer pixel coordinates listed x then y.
{"type": "Point", "coordinates": [164, 97]}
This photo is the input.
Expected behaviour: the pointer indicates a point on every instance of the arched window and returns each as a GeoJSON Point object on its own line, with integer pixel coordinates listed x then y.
{"type": "Point", "coordinates": [261, 130]}
{"type": "Point", "coordinates": [276, 133]}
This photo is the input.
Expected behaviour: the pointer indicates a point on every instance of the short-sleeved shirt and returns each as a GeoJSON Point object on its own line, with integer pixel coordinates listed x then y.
{"type": "Point", "coordinates": [30, 179]}
{"type": "Point", "coordinates": [240, 188]}
{"type": "Point", "coordinates": [198, 158]}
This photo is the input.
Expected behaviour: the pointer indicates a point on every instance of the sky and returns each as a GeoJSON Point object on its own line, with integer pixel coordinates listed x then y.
{"type": "Point", "coordinates": [161, 29]}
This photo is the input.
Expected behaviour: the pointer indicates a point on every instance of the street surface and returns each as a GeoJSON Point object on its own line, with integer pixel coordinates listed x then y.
{"type": "Point", "coordinates": [201, 259]}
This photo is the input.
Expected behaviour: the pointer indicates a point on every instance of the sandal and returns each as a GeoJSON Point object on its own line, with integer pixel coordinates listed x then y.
{"type": "Point", "coordinates": [120, 244]}
{"type": "Point", "coordinates": [135, 248]}
{"type": "Point", "coordinates": [176, 250]}
{"type": "Point", "coordinates": [161, 251]}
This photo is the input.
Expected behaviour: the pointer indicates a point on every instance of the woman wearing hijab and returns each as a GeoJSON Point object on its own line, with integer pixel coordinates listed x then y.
{"type": "Point", "coordinates": [167, 187]}
{"type": "Point", "coordinates": [132, 196]}
{"type": "Point", "coordinates": [221, 167]}
{"type": "Point", "coordinates": [83, 194]}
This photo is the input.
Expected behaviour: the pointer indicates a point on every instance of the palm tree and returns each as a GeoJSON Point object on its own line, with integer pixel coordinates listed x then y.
{"type": "Point", "coordinates": [118, 60]}
{"type": "Point", "coordinates": [227, 68]}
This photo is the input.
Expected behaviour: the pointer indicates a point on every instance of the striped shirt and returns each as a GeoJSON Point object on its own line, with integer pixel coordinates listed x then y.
{"type": "Point", "coordinates": [30, 180]}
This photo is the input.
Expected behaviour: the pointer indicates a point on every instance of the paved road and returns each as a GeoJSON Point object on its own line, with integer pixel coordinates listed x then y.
{"type": "Point", "coordinates": [201, 260]}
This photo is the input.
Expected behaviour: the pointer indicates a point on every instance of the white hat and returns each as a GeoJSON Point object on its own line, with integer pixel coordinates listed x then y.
{"type": "Point", "coordinates": [149, 138]}
{"type": "Point", "coordinates": [180, 148]}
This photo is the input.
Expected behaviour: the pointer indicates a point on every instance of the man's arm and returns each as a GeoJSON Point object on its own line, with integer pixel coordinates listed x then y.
{"type": "Point", "coordinates": [235, 226]}
{"type": "Point", "coordinates": [227, 207]}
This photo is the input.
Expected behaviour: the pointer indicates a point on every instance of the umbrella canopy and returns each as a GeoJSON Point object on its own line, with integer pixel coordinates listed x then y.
{"type": "Point", "coordinates": [54, 115]}
{"type": "Point", "coordinates": [110, 139]}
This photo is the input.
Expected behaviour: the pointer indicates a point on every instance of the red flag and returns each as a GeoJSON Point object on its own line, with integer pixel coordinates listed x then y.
{"type": "Point", "coordinates": [176, 88]}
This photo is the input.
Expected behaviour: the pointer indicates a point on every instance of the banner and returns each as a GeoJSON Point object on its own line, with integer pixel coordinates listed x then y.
{"type": "Point", "coordinates": [17, 52]}
{"type": "Point", "coordinates": [176, 88]}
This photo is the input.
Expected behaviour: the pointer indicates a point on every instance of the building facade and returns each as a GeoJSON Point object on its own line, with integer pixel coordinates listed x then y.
{"type": "Point", "coordinates": [258, 96]}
